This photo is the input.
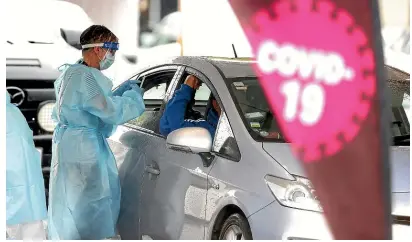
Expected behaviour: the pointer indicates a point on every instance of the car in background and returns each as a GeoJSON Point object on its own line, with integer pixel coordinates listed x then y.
{"type": "Point", "coordinates": [41, 36]}
{"type": "Point", "coordinates": [162, 41]}
{"type": "Point", "coordinates": [34, 51]}
{"type": "Point", "coordinates": [244, 183]}
{"type": "Point", "coordinates": [167, 31]}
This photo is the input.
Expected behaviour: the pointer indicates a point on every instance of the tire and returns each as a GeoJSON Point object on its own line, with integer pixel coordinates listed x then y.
{"type": "Point", "coordinates": [235, 227]}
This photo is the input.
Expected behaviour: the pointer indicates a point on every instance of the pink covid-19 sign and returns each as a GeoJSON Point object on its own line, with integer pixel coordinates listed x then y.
{"type": "Point", "coordinates": [319, 81]}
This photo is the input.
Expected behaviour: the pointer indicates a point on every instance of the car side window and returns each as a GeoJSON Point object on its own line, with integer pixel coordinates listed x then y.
{"type": "Point", "coordinates": [155, 85]}
{"type": "Point", "coordinates": [224, 142]}
{"type": "Point", "coordinates": [156, 93]}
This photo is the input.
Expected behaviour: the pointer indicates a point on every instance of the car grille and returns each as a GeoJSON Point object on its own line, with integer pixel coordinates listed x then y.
{"type": "Point", "coordinates": [29, 107]}
{"type": "Point", "coordinates": [403, 220]}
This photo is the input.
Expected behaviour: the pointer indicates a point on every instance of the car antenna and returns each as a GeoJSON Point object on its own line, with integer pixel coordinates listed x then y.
{"type": "Point", "coordinates": [234, 50]}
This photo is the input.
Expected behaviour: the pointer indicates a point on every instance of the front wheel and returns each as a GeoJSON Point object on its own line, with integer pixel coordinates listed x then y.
{"type": "Point", "coordinates": [236, 227]}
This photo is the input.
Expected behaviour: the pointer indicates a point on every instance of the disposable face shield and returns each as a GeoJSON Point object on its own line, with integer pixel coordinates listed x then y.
{"type": "Point", "coordinates": [111, 46]}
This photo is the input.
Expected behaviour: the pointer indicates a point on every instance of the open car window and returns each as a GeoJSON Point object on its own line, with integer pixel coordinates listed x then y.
{"type": "Point", "coordinates": [156, 93]}
{"type": "Point", "coordinates": [155, 85]}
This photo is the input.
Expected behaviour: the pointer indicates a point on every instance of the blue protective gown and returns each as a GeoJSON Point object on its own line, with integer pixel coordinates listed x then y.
{"type": "Point", "coordinates": [173, 116]}
{"type": "Point", "coordinates": [25, 195]}
{"type": "Point", "coordinates": [84, 198]}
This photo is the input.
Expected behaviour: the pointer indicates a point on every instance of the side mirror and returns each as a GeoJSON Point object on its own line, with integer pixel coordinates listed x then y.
{"type": "Point", "coordinates": [131, 58]}
{"type": "Point", "coordinates": [72, 37]}
{"type": "Point", "coordinates": [193, 140]}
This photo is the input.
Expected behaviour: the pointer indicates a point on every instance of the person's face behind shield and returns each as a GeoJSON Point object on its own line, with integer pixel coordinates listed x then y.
{"type": "Point", "coordinates": [100, 54]}
{"type": "Point", "coordinates": [105, 56]}
{"type": "Point", "coordinates": [101, 57]}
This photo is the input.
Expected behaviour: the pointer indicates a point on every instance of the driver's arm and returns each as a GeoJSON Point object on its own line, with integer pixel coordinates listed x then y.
{"type": "Point", "coordinates": [173, 116]}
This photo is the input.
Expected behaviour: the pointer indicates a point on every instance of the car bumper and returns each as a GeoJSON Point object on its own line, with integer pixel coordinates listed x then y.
{"type": "Point", "coordinates": [276, 222]}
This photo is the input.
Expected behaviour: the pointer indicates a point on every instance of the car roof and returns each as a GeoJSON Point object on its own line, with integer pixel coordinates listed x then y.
{"type": "Point", "coordinates": [241, 67]}
{"type": "Point", "coordinates": [233, 67]}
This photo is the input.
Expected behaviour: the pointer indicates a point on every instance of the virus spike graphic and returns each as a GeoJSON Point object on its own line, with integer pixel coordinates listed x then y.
{"type": "Point", "coordinates": [339, 64]}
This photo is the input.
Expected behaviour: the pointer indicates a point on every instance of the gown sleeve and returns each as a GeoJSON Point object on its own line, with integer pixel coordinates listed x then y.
{"type": "Point", "coordinates": [111, 109]}
{"type": "Point", "coordinates": [54, 114]}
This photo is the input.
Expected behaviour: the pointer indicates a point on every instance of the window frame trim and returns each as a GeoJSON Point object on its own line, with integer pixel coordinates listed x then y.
{"type": "Point", "coordinates": [220, 121]}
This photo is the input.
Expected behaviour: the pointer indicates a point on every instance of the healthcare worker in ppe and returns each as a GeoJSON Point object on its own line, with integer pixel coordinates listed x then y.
{"type": "Point", "coordinates": [84, 199]}
{"type": "Point", "coordinates": [25, 195]}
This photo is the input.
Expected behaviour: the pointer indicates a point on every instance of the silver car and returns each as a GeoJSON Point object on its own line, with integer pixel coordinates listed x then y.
{"type": "Point", "coordinates": [242, 184]}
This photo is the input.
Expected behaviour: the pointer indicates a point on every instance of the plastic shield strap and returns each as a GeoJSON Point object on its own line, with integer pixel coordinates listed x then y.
{"type": "Point", "coordinates": [33, 231]}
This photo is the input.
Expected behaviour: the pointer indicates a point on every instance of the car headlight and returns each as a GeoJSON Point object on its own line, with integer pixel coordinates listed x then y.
{"type": "Point", "coordinates": [297, 193]}
{"type": "Point", "coordinates": [44, 116]}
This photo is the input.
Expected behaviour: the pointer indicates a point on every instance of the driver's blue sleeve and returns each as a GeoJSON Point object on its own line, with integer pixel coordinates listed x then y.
{"type": "Point", "coordinates": [173, 116]}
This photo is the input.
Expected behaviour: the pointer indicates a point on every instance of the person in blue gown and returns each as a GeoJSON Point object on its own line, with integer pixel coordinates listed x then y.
{"type": "Point", "coordinates": [25, 195]}
{"type": "Point", "coordinates": [84, 199]}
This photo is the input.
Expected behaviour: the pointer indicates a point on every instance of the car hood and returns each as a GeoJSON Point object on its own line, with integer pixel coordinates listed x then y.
{"type": "Point", "coordinates": [47, 54]}
{"type": "Point", "coordinates": [400, 164]}
{"type": "Point", "coordinates": [52, 56]}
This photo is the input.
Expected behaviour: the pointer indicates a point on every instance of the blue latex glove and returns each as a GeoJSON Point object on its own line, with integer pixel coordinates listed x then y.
{"type": "Point", "coordinates": [127, 85]}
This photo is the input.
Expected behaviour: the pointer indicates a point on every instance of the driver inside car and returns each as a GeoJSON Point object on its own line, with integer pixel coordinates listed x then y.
{"type": "Point", "coordinates": [174, 116]}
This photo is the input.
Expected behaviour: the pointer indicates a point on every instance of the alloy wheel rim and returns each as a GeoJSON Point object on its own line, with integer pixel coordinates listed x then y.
{"type": "Point", "coordinates": [233, 233]}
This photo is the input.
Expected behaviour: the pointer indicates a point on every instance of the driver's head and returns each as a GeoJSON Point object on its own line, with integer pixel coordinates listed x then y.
{"type": "Point", "coordinates": [193, 82]}
{"type": "Point", "coordinates": [99, 46]}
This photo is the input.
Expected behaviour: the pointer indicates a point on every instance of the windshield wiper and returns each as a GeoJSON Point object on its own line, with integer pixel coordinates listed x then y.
{"type": "Point", "coordinates": [9, 42]}
{"type": "Point", "coordinates": [39, 42]}
{"type": "Point", "coordinates": [402, 139]}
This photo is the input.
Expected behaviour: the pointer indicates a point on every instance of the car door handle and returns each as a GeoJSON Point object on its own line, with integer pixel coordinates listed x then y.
{"type": "Point", "coordinates": [152, 170]}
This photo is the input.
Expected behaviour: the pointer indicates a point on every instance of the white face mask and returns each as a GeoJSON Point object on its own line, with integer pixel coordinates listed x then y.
{"type": "Point", "coordinates": [107, 61]}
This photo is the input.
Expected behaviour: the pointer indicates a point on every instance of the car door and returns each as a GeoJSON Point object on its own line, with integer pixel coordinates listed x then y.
{"type": "Point", "coordinates": [174, 191]}
{"type": "Point", "coordinates": [132, 144]}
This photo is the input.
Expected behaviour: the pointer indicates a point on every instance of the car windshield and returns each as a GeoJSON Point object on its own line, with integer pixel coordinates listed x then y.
{"type": "Point", "coordinates": [262, 125]}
